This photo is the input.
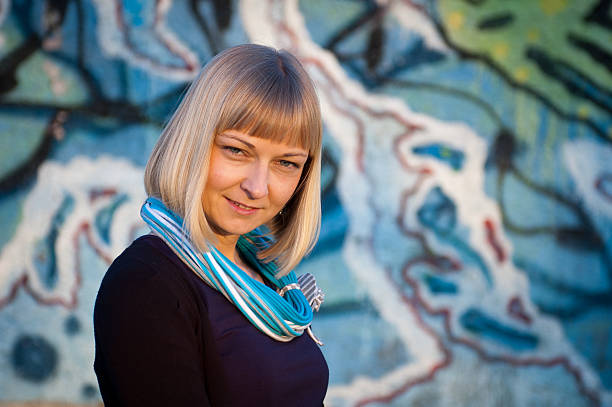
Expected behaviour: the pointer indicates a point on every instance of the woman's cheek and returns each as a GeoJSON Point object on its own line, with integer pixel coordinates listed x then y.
{"type": "Point", "coordinates": [287, 190]}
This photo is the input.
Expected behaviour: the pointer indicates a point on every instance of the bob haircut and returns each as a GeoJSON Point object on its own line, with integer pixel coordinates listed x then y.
{"type": "Point", "coordinates": [259, 91]}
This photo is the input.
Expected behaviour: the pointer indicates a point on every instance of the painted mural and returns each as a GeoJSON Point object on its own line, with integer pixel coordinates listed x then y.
{"type": "Point", "coordinates": [466, 247]}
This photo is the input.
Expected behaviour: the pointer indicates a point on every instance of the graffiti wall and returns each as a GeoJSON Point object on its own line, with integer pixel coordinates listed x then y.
{"type": "Point", "coordinates": [466, 246]}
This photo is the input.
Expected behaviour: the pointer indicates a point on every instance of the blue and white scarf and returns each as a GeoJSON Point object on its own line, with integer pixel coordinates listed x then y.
{"type": "Point", "coordinates": [282, 314]}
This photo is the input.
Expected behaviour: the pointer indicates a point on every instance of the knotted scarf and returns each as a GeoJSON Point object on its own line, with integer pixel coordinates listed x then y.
{"type": "Point", "coordinates": [282, 314]}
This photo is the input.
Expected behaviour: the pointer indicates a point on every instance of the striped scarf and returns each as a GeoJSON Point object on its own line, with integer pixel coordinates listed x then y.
{"type": "Point", "coordinates": [282, 314]}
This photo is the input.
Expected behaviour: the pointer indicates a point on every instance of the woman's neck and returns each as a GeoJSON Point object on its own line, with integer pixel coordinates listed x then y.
{"type": "Point", "coordinates": [227, 246]}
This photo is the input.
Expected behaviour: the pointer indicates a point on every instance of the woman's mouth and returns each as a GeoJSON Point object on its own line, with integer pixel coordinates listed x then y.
{"type": "Point", "coordinates": [241, 208]}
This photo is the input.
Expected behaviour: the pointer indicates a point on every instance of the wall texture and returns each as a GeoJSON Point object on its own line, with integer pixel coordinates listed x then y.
{"type": "Point", "coordinates": [466, 250]}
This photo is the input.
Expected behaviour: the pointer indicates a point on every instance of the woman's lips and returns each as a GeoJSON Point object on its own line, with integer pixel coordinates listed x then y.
{"type": "Point", "coordinates": [241, 208]}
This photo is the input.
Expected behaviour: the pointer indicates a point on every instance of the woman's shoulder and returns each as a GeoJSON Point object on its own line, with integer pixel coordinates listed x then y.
{"type": "Point", "coordinates": [144, 303]}
{"type": "Point", "coordinates": [146, 258]}
{"type": "Point", "coordinates": [146, 268]}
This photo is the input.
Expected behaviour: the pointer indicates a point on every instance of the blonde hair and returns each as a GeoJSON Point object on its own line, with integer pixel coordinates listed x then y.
{"type": "Point", "coordinates": [260, 91]}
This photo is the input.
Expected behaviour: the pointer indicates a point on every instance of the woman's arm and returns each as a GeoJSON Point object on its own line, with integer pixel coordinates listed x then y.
{"type": "Point", "coordinates": [148, 344]}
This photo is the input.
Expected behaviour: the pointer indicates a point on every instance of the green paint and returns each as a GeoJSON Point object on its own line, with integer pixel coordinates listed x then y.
{"type": "Point", "coordinates": [535, 24]}
{"type": "Point", "coordinates": [43, 80]}
{"type": "Point", "coordinates": [19, 138]}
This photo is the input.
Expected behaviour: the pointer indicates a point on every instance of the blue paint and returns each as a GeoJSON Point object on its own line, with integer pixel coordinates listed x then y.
{"type": "Point", "coordinates": [438, 285]}
{"type": "Point", "coordinates": [486, 327]}
{"type": "Point", "coordinates": [416, 54]}
{"type": "Point", "coordinates": [438, 212]}
{"type": "Point", "coordinates": [471, 256]}
{"type": "Point", "coordinates": [579, 81]}
{"type": "Point", "coordinates": [45, 259]}
{"type": "Point", "coordinates": [89, 391]}
{"type": "Point", "coordinates": [104, 218]}
{"type": "Point", "coordinates": [72, 325]}
{"type": "Point", "coordinates": [10, 207]}
{"type": "Point", "coordinates": [605, 186]}
{"type": "Point", "coordinates": [134, 13]}
{"type": "Point", "coordinates": [334, 225]}
{"type": "Point", "coordinates": [450, 156]}
{"type": "Point", "coordinates": [33, 358]}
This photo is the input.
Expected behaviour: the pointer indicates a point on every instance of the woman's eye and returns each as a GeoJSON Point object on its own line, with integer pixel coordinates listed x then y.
{"type": "Point", "coordinates": [288, 164]}
{"type": "Point", "coordinates": [232, 150]}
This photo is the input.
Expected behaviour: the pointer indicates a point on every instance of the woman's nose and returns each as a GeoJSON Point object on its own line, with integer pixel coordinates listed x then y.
{"type": "Point", "coordinates": [255, 183]}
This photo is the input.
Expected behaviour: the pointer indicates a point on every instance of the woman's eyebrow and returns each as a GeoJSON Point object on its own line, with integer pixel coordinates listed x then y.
{"type": "Point", "coordinates": [290, 154]}
{"type": "Point", "coordinates": [295, 155]}
{"type": "Point", "coordinates": [238, 139]}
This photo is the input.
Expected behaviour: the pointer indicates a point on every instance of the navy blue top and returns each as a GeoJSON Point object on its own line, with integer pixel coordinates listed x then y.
{"type": "Point", "coordinates": [165, 338]}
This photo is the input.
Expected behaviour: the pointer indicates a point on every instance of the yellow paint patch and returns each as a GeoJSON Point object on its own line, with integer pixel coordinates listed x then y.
{"type": "Point", "coordinates": [533, 35]}
{"type": "Point", "coordinates": [552, 7]}
{"type": "Point", "coordinates": [583, 112]}
{"type": "Point", "coordinates": [521, 74]}
{"type": "Point", "coordinates": [455, 20]}
{"type": "Point", "coordinates": [501, 50]}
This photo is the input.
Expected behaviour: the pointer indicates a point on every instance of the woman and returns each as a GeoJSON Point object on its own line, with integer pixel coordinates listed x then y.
{"type": "Point", "coordinates": [205, 310]}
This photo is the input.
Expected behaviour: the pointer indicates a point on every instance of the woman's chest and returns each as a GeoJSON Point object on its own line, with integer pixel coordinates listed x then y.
{"type": "Point", "coordinates": [263, 369]}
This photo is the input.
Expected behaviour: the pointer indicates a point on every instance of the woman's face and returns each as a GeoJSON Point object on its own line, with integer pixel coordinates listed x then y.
{"type": "Point", "coordinates": [250, 180]}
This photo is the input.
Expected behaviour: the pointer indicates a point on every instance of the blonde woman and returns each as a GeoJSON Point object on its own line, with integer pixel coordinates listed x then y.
{"type": "Point", "coordinates": [205, 310]}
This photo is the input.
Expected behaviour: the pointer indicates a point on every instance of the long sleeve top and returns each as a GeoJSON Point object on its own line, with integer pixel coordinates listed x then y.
{"type": "Point", "coordinates": [165, 338]}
